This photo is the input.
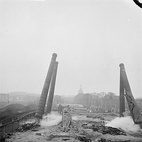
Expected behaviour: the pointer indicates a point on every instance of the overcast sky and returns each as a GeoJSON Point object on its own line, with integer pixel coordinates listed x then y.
{"type": "Point", "coordinates": [91, 38]}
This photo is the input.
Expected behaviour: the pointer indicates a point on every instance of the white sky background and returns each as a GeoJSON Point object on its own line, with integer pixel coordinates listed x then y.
{"type": "Point", "coordinates": [90, 37]}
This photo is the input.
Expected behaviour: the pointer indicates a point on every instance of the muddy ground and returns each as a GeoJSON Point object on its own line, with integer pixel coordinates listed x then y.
{"type": "Point", "coordinates": [84, 128]}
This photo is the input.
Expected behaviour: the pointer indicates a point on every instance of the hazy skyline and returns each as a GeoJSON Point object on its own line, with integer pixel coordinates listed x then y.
{"type": "Point", "coordinates": [91, 38]}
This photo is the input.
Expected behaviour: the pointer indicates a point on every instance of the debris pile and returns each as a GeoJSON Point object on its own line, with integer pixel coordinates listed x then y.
{"type": "Point", "coordinates": [88, 131]}
{"type": "Point", "coordinates": [97, 116]}
{"type": "Point", "coordinates": [107, 140]}
{"type": "Point", "coordinates": [77, 130]}
{"type": "Point", "coordinates": [52, 136]}
{"type": "Point", "coordinates": [27, 126]}
{"type": "Point", "coordinates": [66, 119]}
{"type": "Point", "coordinates": [4, 136]}
{"type": "Point", "coordinates": [106, 130]}
{"type": "Point", "coordinates": [83, 138]}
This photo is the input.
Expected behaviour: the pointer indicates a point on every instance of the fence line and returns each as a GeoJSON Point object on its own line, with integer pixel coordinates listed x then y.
{"type": "Point", "coordinates": [12, 126]}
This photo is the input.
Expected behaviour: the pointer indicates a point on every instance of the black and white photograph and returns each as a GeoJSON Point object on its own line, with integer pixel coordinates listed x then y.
{"type": "Point", "coordinates": [70, 70]}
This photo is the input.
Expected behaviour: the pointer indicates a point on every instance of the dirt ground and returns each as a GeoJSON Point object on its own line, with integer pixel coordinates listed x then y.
{"type": "Point", "coordinates": [80, 131]}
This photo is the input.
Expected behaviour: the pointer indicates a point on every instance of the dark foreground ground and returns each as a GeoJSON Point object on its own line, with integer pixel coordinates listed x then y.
{"type": "Point", "coordinates": [84, 128]}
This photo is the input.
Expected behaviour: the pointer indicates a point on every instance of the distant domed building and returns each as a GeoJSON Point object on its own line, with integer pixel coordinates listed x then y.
{"type": "Point", "coordinates": [80, 91]}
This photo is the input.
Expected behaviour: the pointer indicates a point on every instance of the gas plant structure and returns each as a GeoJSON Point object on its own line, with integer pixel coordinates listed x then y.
{"type": "Point", "coordinates": [49, 87]}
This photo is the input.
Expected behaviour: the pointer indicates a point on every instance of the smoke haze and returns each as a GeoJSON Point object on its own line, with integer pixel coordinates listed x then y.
{"type": "Point", "coordinates": [125, 123]}
{"type": "Point", "coordinates": [51, 120]}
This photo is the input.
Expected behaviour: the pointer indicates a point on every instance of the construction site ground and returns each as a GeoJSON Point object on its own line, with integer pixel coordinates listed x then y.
{"type": "Point", "coordinates": [81, 130]}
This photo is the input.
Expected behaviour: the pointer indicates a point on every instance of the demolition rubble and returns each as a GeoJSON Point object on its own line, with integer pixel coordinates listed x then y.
{"type": "Point", "coordinates": [74, 128]}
